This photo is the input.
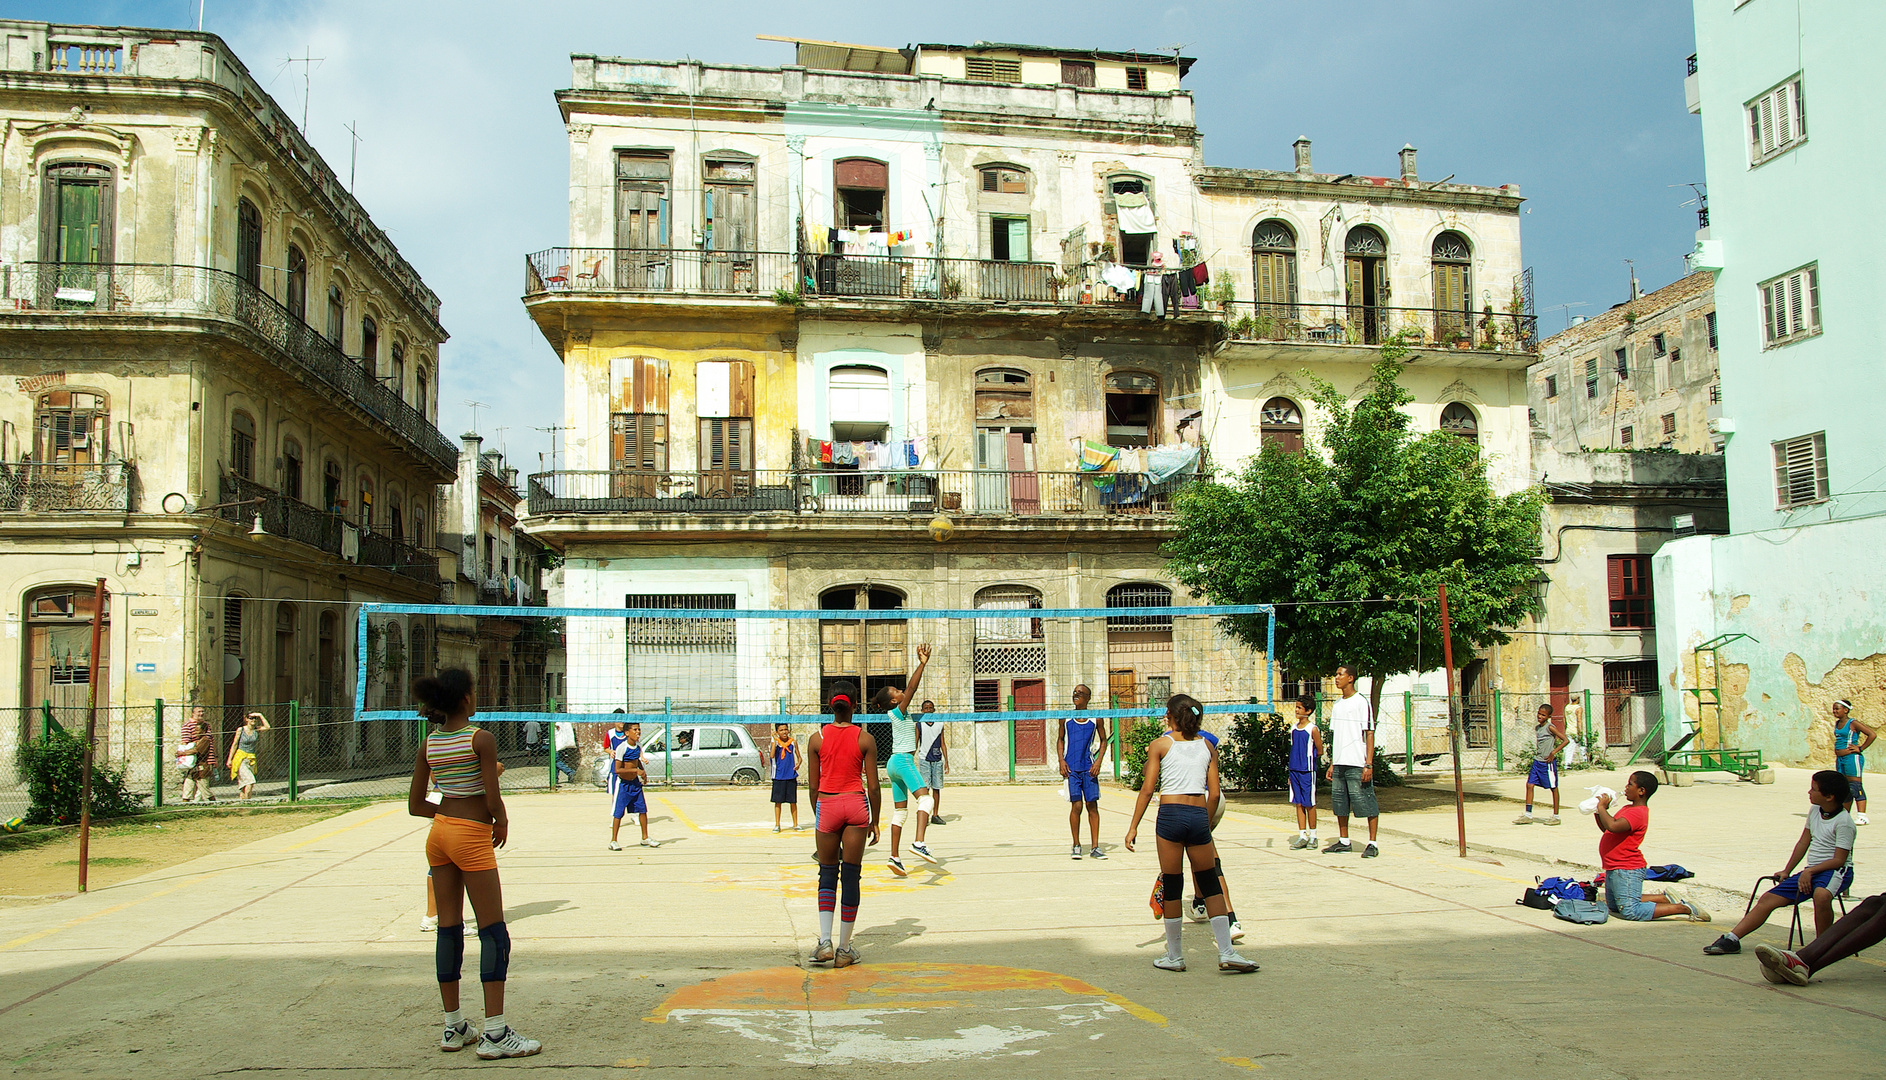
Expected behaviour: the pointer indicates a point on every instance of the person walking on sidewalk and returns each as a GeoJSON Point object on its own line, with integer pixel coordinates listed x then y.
{"type": "Point", "coordinates": [1620, 852]}
{"type": "Point", "coordinates": [1851, 738]}
{"type": "Point", "coordinates": [1351, 773]}
{"type": "Point", "coordinates": [1549, 741]}
{"type": "Point", "coordinates": [196, 757]}
{"type": "Point", "coordinates": [1075, 742]}
{"type": "Point", "coordinates": [242, 747]}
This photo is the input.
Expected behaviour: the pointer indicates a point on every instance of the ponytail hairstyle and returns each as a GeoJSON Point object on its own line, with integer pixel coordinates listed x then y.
{"type": "Point", "coordinates": [844, 701]}
{"type": "Point", "coordinates": [881, 701]}
{"type": "Point", "coordinates": [1185, 711]}
{"type": "Point", "coordinates": [443, 694]}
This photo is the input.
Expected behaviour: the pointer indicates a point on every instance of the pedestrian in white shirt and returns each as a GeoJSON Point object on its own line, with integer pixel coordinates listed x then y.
{"type": "Point", "coordinates": [1351, 763]}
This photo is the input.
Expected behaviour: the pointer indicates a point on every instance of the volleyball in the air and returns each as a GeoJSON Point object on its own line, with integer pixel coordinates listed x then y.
{"type": "Point", "coordinates": [941, 528]}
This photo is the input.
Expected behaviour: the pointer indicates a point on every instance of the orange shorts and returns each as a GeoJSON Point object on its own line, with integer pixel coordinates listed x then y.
{"type": "Point", "coordinates": [460, 842]}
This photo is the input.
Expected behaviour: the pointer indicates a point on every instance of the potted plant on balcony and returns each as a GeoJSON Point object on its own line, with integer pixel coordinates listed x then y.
{"type": "Point", "coordinates": [1222, 292]}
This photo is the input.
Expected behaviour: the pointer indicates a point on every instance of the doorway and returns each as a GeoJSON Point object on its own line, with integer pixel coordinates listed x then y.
{"type": "Point", "coordinates": [1366, 258]}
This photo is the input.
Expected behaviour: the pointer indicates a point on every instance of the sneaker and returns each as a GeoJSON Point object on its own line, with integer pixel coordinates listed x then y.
{"type": "Point", "coordinates": [1722, 946]}
{"type": "Point", "coordinates": [650, 843]}
{"type": "Point", "coordinates": [1773, 975]}
{"type": "Point", "coordinates": [1371, 851]}
{"type": "Point", "coordinates": [897, 866]}
{"type": "Point", "coordinates": [1096, 854]}
{"type": "Point", "coordinates": [1858, 819]}
{"type": "Point", "coordinates": [776, 828]}
{"type": "Point", "coordinates": [613, 846]}
{"type": "Point", "coordinates": [1678, 896]}
{"type": "Point", "coordinates": [508, 1044]}
{"type": "Point", "coordinates": [923, 852]}
{"type": "Point", "coordinates": [1549, 819]}
{"type": "Point", "coordinates": [1339, 847]}
{"type": "Point", "coordinates": [428, 923]}
{"type": "Point", "coordinates": [1523, 819]}
{"type": "Point", "coordinates": [457, 1037]}
{"type": "Point", "coordinates": [822, 952]}
{"type": "Point", "coordinates": [937, 821]}
{"type": "Point", "coordinates": [1299, 842]}
{"type": "Point", "coordinates": [1196, 912]}
{"type": "Point", "coordinates": [1789, 967]}
{"type": "Point", "coordinates": [1237, 931]}
{"type": "Point", "coordinates": [845, 956]}
{"type": "Point", "coordinates": [1170, 963]}
{"type": "Point", "coordinates": [1075, 853]}
{"type": "Point", "coordinates": [1234, 963]}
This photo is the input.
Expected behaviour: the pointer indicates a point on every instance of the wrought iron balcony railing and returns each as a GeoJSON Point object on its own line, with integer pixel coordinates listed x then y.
{"type": "Point", "coordinates": [1343, 324]}
{"type": "Point", "coordinates": [810, 493]}
{"type": "Point", "coordinates": [897, 277]}
{"type": "Point", "coordinates": [200, 292]}
{"type": "Point", "coordinates": [663, 270]}
{"type": "Point", "coordinates": [296, 520]}
{"type": "Point", "coordinates": [54, 487]}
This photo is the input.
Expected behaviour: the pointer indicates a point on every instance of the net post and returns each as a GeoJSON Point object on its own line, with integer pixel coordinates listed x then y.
{"type": "Point", "coordinates": [552, 744]}
{"type": "Point", "coordinates": [1585, 722]}
{"type": "Point", "coordinates": [157, 757]}
{"type": "Point", "coordinates": [1407, 726]}
{"type": "Point", "coordinates": [1116, 739]}
{"type": "Point", "coordinates": [45, 729]}
{"type": "Point", "coordinates": [294, 751]}
{"type": "Point", "coordinates": [1011, 737]}
{"type": "Point", "coordinates": [1499, 736]}
{"type": "Point", "coordinates": [667, 741]}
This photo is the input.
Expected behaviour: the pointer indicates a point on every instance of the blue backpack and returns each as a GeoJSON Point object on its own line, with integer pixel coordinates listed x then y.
{"type": "Point", "coordinates": [1564, 888]}
{"type": "Point", "coordinates": [1584, 912]}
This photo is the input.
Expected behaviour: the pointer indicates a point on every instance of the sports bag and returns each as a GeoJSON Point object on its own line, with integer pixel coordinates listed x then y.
{"type": "Point", "coordinates": [1565, 888]}
{"type": "Point", "coordinates": [1535, 899]}
{"type": "Point", "coordinates": [1583, 912]}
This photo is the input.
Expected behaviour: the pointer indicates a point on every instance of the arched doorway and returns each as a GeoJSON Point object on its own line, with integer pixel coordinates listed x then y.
{"type": "Point", "coordinates": [1453, 288]}
{"type": "Point", "coordinates": [1365, 254]}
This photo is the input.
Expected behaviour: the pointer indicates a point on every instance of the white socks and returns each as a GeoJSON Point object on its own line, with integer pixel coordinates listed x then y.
{"type": "Point", "coordinates": [825, 925]}
{"type": "Point", "coordinates": [844, 933]}
{"type": "Point", "coordinates": [494, 1026]}
{"type": "Point", "coordinates": [1174, 950]}
{"type": "Point", "coordinates": [454, 1018]}
{"type": "Point", "coordinates": [1221, 929]}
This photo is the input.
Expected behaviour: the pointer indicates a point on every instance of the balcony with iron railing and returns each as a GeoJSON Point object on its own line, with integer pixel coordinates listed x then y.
{"type": "Point", "coordinates": [30, 488]}
{"type": "Point", "coordinates": [1369, 325]}
{"type": "Point", "coordinates": [293, 519]}
{"type": "Point", "coordinates": [82, 290]}
{"type": "Point", "coordinates": [808, 495]}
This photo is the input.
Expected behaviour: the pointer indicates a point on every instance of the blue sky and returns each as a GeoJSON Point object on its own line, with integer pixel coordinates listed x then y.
{"type": "Point", "coordinates": [465, 165]}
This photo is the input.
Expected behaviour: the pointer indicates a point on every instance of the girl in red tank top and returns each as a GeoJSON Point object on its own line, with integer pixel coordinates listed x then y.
{"type": "Point", "coordinates": [842, 770]}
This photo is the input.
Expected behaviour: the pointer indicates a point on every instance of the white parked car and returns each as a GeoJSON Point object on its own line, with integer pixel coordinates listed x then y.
{"type": "Point", "coordinates": [702, 754]}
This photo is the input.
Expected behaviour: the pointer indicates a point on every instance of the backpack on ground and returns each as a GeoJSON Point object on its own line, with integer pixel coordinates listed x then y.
{"type": "Point", "coordinates": [1536, 899]}
{"type": "Point", "coordinates": [1583, 912]}
{"type": "Point", "coordinates": [1565, 888]}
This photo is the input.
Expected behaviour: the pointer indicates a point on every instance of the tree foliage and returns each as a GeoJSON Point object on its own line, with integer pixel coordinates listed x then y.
{"type": "Point", "coordinates": [54, 766]}
{"type": "Point", "coordinates": [1346, 540]}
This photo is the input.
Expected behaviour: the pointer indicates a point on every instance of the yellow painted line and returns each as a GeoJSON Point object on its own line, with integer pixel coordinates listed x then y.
{"type": "Point", "coordinates": [679, 816]}
{"type": "Point", "coordinates": [114, 909]}
{"type": "Point", "coordinates": [342, 829]}
{"type": "Point", "coordinates": [1240, 1062]}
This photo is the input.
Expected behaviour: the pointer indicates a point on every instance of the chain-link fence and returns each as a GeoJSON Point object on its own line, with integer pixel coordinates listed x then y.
{"type": "Point", "coordinates": [1500, 733]}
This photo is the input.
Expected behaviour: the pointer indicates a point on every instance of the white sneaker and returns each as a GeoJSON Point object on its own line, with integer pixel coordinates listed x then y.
{"type": "Point", "coordinates": [457, 1037]}
{"type": "Point", "coordinates": [1237, 931]}
{"type": "Point", "coordinates": [1236, 964]}
{"type": "Point", "coordinates": [822, 952]}
{"type": "Point", "coordinates": [1859, 819]}
{"type": "Point", "coordinates": [1523, 819]}
{"type": "Point", "coordinates": [1170, 963]}
{"type": "Point", "coordinates": [923, 852]}
{"type": "Point", "coordinates": [1196, 911]}
{"type": "Point", "coordinates": [650, 843]}
{"type": "Point", "coordinates": [428, 923]}
{"type": "Point", "coordinates": [613, 846]}
{"type": "Point", "coordinates": [1075, 854]}
{"type": "Point", "coordinates": [508, 1044]}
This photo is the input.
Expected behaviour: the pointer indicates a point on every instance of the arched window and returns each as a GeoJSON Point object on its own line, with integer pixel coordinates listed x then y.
{"type": "Point", "coordinates": [1281, 424]}
{"type": "Point", "coordinates": [1459, 420]}
{"type": "Point", "coordinates": [365, 516]}
{"type": "Point", "coordinates": [1133, 413]}
{"type": "Point", "coordinates": [394, 659]}
{"type": "Point", "coordinates": [336, 314]}
{"type": "Point", "coordinates": [242, 445]}
{"type": "Point", "coordinates": [396, 372]}
{"type": "Point", "coordinates": [59, 651]}
{"type": "Point", "coordinates": [420, 537]}
{"type": "Point", "coordinates": [1453, 287]}
{"type": "Point", "coordinates": [860, 192]}
{"type": "Point", "coordinates": [1004, 180]}
{"type": "Point", "coordinates": [1011, 628]}
{"type": "Point", "coordinates": [235, 674]}
{"type": "Point", "coordinates": [370, 346]}
{"type": "Point", "coordinates": [1139, 647]}
{"type": "Point", "coordinates": [1129, 202]}
{"type": "Point", "coordinates": [71, 425]}
{"type": "Point", "coordinates": [867, 653]}
{"type": "Point", "coordinates": [327, 679]}
{"type": "Point", "coordinates": [291, 469]}
{"type": "Point", "coordinates": [419, 657]}
{"type": "Point", "coordinates": [1005, 442]}
{"type": "Point", "coordinates": [395, 514]}
{"type": "Point", "coordinates": [1139, 594]}
{"type": "Point", "coordinates": [248, 242]}
{"type": "Point", "coordinates": [76, 209]}
{"type": "Point", "coordinates": [1274, 268]}
{"type": "Point", "coordinates": [297, 284]}
{"type": "Point", "coordinates": [285, 651]}
{"type": "Point", "coordinates": [1365, 252]}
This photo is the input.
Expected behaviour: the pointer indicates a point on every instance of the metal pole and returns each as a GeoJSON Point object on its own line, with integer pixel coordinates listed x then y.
{"type": "Point", "coordinates": [1453, 722]}
{"type": "Point", "coordinates": [553, 753]}
{"type": "Point", "coordinates": [157, 758]}
{"type": "Point", "coordinates": [1116, 739]}
{"type": "Point", "coordinates": [294, 751]}
{"type": "Point", "coordinates": [91, 731]}
{"type": "Point", "coordinates": [1585, 723]}
{"type": "Point", "coordinates": [1011, 736]}
{"type": "Point", "coordinates": [1407, 725]}
{"type": "Point", "coordinates": [1499, 736]}
{"type": "Point", "coordinates": [667, 741]}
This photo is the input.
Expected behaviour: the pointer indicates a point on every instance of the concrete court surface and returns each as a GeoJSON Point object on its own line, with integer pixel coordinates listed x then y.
{"type": "Point", "coordinates": [300, 954]}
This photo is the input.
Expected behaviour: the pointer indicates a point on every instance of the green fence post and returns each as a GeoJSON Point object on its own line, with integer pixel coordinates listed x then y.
{"type": "Point", "coordinates": [1115, 704]}
{"type": "Point", "coordinates": [1499, 736]}
{"type": "Point", "coordinates": [1587, 722]}
{"type": "Point", "coordinates": [294, 751]}
{"type": "Point", "coordinates": [667, 741]}
{"type": "Point", "coordinates": [45, 730]}
{"type": "Point", "coordinates": [157, 759]}
{"type": "Point", "coordinates": [1407, 725]}
{"type": "Point", "coordinates": [1011, 736]}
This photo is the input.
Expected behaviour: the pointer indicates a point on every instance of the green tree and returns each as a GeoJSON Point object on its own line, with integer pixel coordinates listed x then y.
{"type": "Point", "coordinates": [1345, 541]}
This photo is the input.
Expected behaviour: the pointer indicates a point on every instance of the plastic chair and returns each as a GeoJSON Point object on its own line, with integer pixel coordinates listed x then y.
{"type": "Point", "coordinates": [1794, 927]}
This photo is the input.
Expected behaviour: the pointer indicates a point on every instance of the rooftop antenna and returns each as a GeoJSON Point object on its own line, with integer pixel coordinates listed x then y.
{"type": "Point", "coordinates": [475, 406]}
{"type": "Point", "coordinates": [552, 432]}
{"type": "Point", "coordinates": [307, 63]}
{"type": "Point", "coordinates": [499, 431]}
{"type": "Point", "coordinates": [353, 155]}
{"type": "Point", "coordinates": [1700, 202]}
{"type": "Point", "coordinates": [1566, 310]}
{"type": "Point", "coordinates": [1632, 263]}
{"type": "Point", "coordinates": [199, 16]}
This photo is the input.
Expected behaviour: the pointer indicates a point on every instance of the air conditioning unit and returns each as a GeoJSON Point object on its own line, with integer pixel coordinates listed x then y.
{"type": "Point", "coordinates": [1683, 525]}
{"type": "Point", "coordinates": [1722, 425]}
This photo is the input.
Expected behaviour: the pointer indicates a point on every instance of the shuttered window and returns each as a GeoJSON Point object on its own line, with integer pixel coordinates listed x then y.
{"type": "Point", "coordinates": [1628, 437]}
{"type": "Point", "coordinates": [990, 69]}
{"type": "Point", "coordinates": [638, 442]}
{"type": "Point", "coordinates": [1791, 307]}
{"type": "Point", "coordinates": [1136, 78]}
{"type": "Point", "coordinates": [1077, 72]}
{"type": "Point", "coordinates": [1776, 122]}
{"type": "Point", "coordinates": [1801, 470]}
{"type": "Point", "coordinates": [1591, 377]}
{"type": "Point", "coordinates": [1628, 581]}
{"type": "Point", "coordinates": [1000, 181]}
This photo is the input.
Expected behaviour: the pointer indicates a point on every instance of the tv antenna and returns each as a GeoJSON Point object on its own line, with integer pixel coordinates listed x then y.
{"type": "Point", "coordinates": [1566, 310]}
{"type": "Point", "coordinates": [475, 406]}
{"type": "Point", "coordinates": [353, 155]}
{"type": "Point", "coordinates": [552, 432]}
{"type": "Point", "coordinates": [308, 64]}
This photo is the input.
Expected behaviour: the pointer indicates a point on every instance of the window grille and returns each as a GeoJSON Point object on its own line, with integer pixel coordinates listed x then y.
{"type": "Point", "coordinates": [1776, 122]}
{"type": "Point", "coordinates": [1801, 471]}
{"type": "Point", "coordinates": [1791, 306]}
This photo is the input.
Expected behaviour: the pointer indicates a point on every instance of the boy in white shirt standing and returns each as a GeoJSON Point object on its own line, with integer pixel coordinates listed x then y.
{"type": "Point", "coordinates": [1352, 758]}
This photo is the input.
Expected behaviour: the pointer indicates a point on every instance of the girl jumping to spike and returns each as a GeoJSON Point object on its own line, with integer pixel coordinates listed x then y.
{"type": "Point", "coordinates": [906, 781]}
{"type": "Point", "coordinates": [1182, 767]}
{"type": "Point", "coordinates": [468, 823]}
{"type": "Point", "coordinates": [842, 772]}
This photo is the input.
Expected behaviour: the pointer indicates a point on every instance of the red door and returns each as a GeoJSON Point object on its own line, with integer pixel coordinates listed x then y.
{"type": "Point", "coordinates": [1031, 736]}
{"type": "Point", "coordinates": [1024, 488]}
{"type": "Point", "coordinates": [1560, 679]}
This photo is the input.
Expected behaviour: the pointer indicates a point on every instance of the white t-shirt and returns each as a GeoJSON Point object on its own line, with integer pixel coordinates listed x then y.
{"type": "Point", "coordinates": [1349, 718]}
{"type": "Point", "coordinates": [1825, 835]}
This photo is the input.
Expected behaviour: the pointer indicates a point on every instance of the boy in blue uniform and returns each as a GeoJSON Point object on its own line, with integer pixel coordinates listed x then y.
{"type": "Point", "coordinates": [1074, 744]}
{"type": "Point", "coordinates": [1549, 741]}
{"type": "Point", "coordinates": [629, 773]}
{"type": "Point", "coordinates": [1306, 749]}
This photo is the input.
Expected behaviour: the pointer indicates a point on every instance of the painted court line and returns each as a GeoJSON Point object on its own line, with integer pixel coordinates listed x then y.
{"type": "Point", "coordinates": [342, 829]}
{"type": "Point", "coordinates": [114, 909]}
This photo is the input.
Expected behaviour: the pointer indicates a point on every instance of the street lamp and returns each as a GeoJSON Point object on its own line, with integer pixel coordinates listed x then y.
{"type": "Point", "coordinates": [182, 506]}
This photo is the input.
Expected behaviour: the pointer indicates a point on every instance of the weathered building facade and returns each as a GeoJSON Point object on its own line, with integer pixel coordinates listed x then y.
{"type": "Point", "coordinates": [221, 377]}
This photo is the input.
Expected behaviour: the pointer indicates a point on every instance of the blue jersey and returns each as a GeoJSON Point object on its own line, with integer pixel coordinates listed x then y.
{"type": "Point", "coordinates": [1302, 750]}
{"type": "Point", "coordinates": [785, 762]}
{"type": "Point", "coordinates": [1080, 744]}
{"type": "Point", "coordinates": [628, 751]}
{"type": "Point", "coordinates": [1846, 735]}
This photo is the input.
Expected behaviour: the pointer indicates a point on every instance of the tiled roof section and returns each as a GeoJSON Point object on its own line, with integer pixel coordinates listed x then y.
{"type": "Point", "coordinates": [1643, 307]}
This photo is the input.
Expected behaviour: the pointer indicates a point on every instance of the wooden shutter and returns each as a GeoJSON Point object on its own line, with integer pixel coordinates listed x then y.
{"type": "Point", "coordinates": [1800, 470]}
{"type": "Point", "coordinates": [79, 222]}
{"type": "Point", "coordinates": [1775, 121]}
{"type": "Point", "coordinates": [1017, 239]}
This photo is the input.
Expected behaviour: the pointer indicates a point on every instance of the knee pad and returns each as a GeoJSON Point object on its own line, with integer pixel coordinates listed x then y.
{"type": "Point", "coordinates": [828, 876]}
{"type": "Point", "coordinates": [1207, 883]}
{"type": "Point", "coordinates": [1174, 888]}
{"type": "Point", "coordinates": [848, 890]}
{"type": "Point", "coordinates": [897, 817]}
{"type": "Point", "coordinates": [494, 954]}
{"type": "Point", "coordinates": [926, 804]}
{"type": "Point", "coordinates": [449, 952]}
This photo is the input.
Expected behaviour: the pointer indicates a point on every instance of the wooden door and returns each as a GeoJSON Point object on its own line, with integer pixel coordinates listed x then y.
{"type": "Point", "coordinates": [992, 486]}
{"type": "Point", "coordinates": [1450, 302]}
{"type": "Point", "coordinates": [641, 235]}
{"type": "Point", "coordinates": [1031, 736]}
{"type": "Point", "coordinates": [1368, 293]}
{"type": "Point", "coordinates": [731, 229]}
{"type": "Point", "coordinates": [1024, 488]}
{"type": "Point", "coordinates": [1275, 274]}
{"type": "Point", "coordinates": [1559, 679]}
{"type": "Point", "coordinates": [1122, 688]}
{"type": "Point", "coordinates": [726, 458]}
{"type": "Point", "coordinates": [284, 663]}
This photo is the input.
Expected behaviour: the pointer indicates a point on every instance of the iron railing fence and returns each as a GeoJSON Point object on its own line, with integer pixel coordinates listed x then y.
{"type": "Point", "coordinates": [1343, 324]}
{"type": "Point", "coordinates": [956, 492]}
{"type": "Point", "coordinates": [54, 487]}
{"type": "Point", "coordinates": [296, 520]}
{"type": "Point", "coordinates": [202, 292]}
{"type": "Point", "coordinates": [898, 277]}
{"type": "Point", "coordinates": [658, 270]}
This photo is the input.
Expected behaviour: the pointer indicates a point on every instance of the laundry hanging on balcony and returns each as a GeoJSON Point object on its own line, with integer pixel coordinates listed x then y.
{"type": "Point", "coordinates": [1165, 462]}
{"type": "Point", "coordinates": [1135, 215]}
{"type": "Point", "coordinates": [350, 542]}
{"type": "Point", "coordinates": [1121, 278]}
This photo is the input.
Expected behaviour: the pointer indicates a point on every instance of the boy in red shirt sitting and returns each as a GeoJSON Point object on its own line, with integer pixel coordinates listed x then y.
{"type": "Point", "coordinates": [1620, 853]}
